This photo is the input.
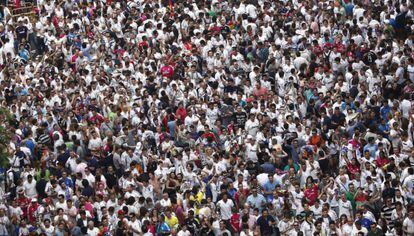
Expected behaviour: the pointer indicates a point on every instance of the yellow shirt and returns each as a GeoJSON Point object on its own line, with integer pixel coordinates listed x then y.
{"type": "Point", "coordinates": [172, 222]}
{"type": "Point", "coordinates": [200, 196]}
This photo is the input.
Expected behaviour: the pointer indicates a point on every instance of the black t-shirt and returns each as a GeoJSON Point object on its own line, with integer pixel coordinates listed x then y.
{"type": "Point", "coordinates": [338, 118]}
{"type": "Point", "coordinates": [240, 119]}
{"type": "Point", "coordinates": [192, 225]}
{"type": "Point", "coordinates": [264, 224]}
{"type": "Point", "coordinates": [3, 37]}
{"type": "Point", "coordinates": [369, 58]}
{"type": "Point", "coordinates": [111, 180]}
{"type": "Point", "coordinates": [21, 32]}
{"type": "Point", "coordinates": [40, 187]}
{"type": "Point", "coordinates": [63, 157]}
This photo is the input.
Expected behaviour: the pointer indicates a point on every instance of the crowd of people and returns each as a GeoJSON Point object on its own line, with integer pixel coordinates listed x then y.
{"type": "Point", "coordinates": [208, 117]}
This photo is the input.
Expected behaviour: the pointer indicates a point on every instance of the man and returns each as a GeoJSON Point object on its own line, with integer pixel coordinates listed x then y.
{"type": "Point", "coordinates": [184, 231]}
{"type": "Point", "coordinates": [4, 223]}
{"type": "Point", "coordinates": [266, 223]}
{"type": "Point", "coordinates": [375, 231]}
{"type": "Point", "coordinates": [23, 202]}
{"type": "Point", "coordinates": [225, 205]}
{"type": "Point", "coordinates": [192, 223]}
{"type": "Point", "coordinates": [30, 187]}
{"type": "Point", "coordinates": [240, 117]}
{"type": "Point", "coordinates": [307, 226]}
{"type": "Point", "coordinates": [252, 125]}
{"type": "Point", "coordinates": [358, 229]}
{"type": "Point", "coordinates": [165, 201]}
{"type": "Point", "coordinates": [286, 224]}
{"type": "Point", "coordinates": [408, 223]}
{"type": "Point", "coordinates": [135, 225]}
{"type": "Point", "coordinates": [269, 186]}
{"type": "Point", "coordinates": [33, 211]}
{"type": "Point", "coordinates": [74, 229]}
{"type": "Point", "coordinates": [372, 147]}
{"type": "Point", "coordinates": [163, 228]}
{"type": "Point", "coordinates": [171, 219]}
{"type": "Point", "coordinates": [223, 230]}
{"type": "Point", "coordinates": [92, 230]}
{"type": "Point", "coordinates": [22, 32]}
{"type": "Point", "coordinates": [387, 211]}
{"type": "Point", "coordinates": [256, 200]}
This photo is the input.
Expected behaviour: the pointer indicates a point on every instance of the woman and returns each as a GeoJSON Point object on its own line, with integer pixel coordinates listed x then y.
{"type": "Point", "coordinates": [162, 227]}
{"type": "Point", "coordinates": [382, 160]}
{"type": "Point", "coordinates": [353, 167]}
{"type": "Point", "coordinates": [311, 191]}
{"type": "Point", "coordinates": [153, 180]}
{"type": "Point", "coordinates": [398, 213]}
{"type": "Point", "coordinates": [171, 184]}
{"type": "Point", "coordinates": [360, 198]}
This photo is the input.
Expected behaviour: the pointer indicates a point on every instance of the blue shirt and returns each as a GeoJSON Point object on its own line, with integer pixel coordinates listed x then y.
{"type": "Point", "coordinates": [270, 186]}
{"type": "Point", "coordinates": [372, 148]}
{"type": "Point", "coordinates": [384, 127]}
{"type": "Point", "coordinates": [171, 127]}
{"type": "Point", "coordinates": [30, 145]}
{"type": "Point", "coordinates": [163, 228]}
{"type": "Point", "coordinates": [256, 202]}
{"type": "Point", "coordinates": [384, 112]}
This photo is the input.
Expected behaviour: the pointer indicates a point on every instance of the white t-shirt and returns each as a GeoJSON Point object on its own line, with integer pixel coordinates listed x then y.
{"type": "Point", "coordinates": [409, 224]}
{"type": "Point", "coordinates": [184, 233]}
{"type": "Point", "coordinates": [92, 232]}
{"type": "Point", "coordinates": [30, 189]}
{"type": "Point", "coordinates": [135, 226]}
{"type": "Point", "coordinates": [405, 107]}
{"type": "Point", "coordinates": [345, 207]}
{"type": "Point", "coordinates": [48, 231]}
{"type": "Point", "coordinates": [225, 208]}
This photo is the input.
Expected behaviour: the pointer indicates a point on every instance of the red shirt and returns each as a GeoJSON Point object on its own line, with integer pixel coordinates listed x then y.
{"type": "Point", "coordinates": [188, 46]}
{"type": "Point", "coordinates": [208, 134]}
{"type": "Point", "coordinates": [381, 162]}
{"type": "Point", "coordinates": [31, 212]}
{"type": "Point", "coordinates": [235, 221]}
{"type": "Point", "coordinates": [181, 113]}
{"type": "Point", "coordinates": [317, 49]}
{"type": "Point", "coordinates": [167, 71]}
{"type": "Point", "coordinates": [260, 92]}
{"type": "Point", "coordinates": [143, 44]}
{"type": "Point", "coordinates": [73, 60]}
{"type": "Point", "coordinates": [311, 194]}
{"type": "Point", "coordinates": [353, 169]}
{"type": "Point", "coordinates": [23, 203]}
{"type": "Point", "coordinates": [97, 119]}
{"type": "Point", "coordinates": [89, 207]}
{"type": "Point", "coordinates": [360, 198]}
{"type": "Point", "coordinates": [340, 48]}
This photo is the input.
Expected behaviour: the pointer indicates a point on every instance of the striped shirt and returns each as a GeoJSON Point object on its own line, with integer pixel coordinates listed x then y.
{"type": "Point", "coordinates": [387, 213]}
{"type": "Point", "coordinates": [44, 139]}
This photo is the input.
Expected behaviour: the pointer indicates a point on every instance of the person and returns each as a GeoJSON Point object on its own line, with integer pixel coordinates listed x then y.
{"type": "Point", "coordinates": [256, 200]}
{"type": "Point", "coordinates": [374, 231]}
{"type": "Point", "coordinates": [162, 227]}
{"type": "Point", "coordinates": [408, 223]}
{"type": "Point", "coordinates": [225, 206]}
{"type": "Point", "coordinates": [307, 226]}
{"type": "Point", "coordinates": [4, 222]}
{"type": "Point", "coordinates": [266, 223]}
